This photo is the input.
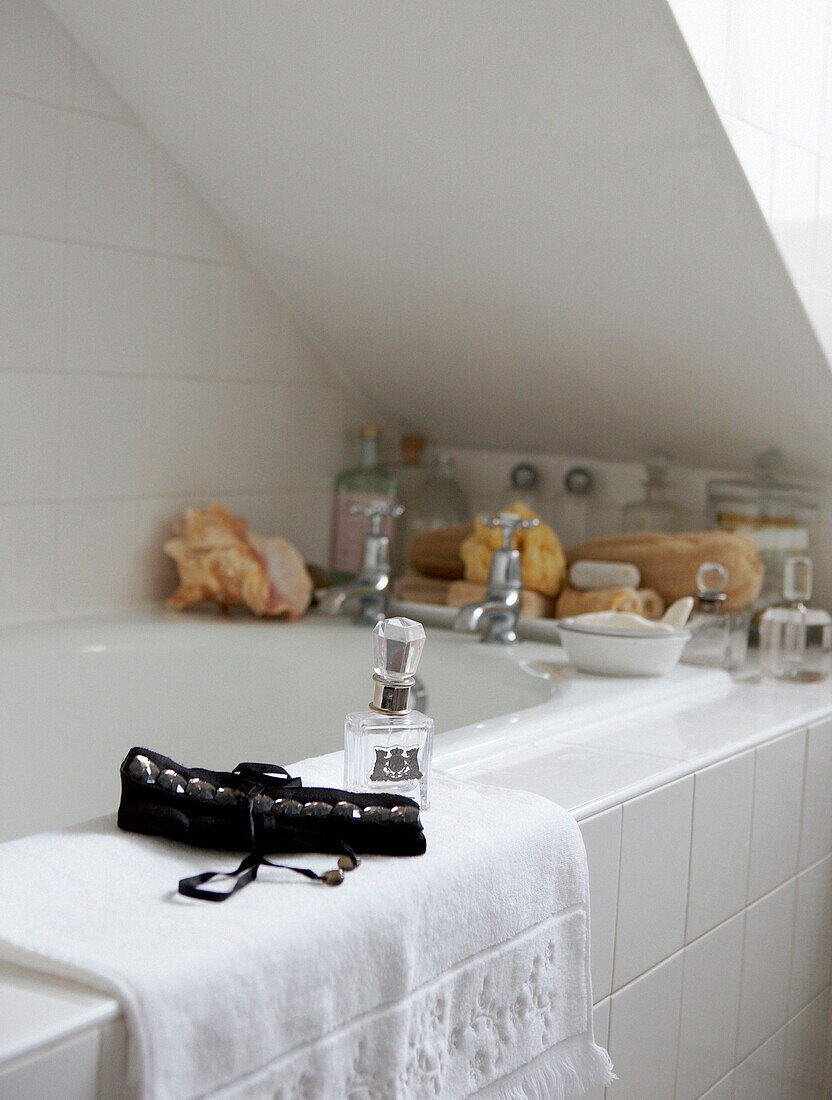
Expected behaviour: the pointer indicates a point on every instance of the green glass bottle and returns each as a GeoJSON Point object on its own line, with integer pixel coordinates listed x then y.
{"type": "Point", "coordinates": [369, 481]}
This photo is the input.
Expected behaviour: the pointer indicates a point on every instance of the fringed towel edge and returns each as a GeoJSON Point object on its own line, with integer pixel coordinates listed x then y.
{"type": "Point", "coordinates": [571, 1068]}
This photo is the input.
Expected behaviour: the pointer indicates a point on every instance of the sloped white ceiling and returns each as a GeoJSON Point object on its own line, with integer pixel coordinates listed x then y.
{"type": "Point", "coordinates": [517, 224]}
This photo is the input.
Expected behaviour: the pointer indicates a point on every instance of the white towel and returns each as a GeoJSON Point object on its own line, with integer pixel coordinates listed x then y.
{"type": "Point", "coordinates": [460, 972]}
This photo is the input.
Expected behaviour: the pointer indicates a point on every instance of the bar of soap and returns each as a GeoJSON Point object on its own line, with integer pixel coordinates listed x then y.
{"type": "Point", "coordinates": [589, 575]}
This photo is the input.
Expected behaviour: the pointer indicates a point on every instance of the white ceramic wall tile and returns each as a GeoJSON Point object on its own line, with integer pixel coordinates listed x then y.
{"type": "Point", "coordinates": [253, 339]}
{"type": "Point", "coordinates": [109, 189]}
{"type": "Point", "coordinates": [183, 426]}
{"type": "Point", "coordinates": [297, 512]}
{"type": "Point", "coordinates": [69, 1069]}
{"type": "Point", "coordinates": [766, 967]}
{"type": "Point", "coordinates": [705, 25]}
{"type": "Point", "coordinates": [755, 151]}
{"type": "Point", "coordinates": [816, 831]}
{"type": "Point", "coordinates": [155, 521]}
{"type": "Point", "coordinates": [823, 257]}
{"type": "Point", "coordinates": [91, 92]}
{"type": "Point", "coordinates": [652, 888]}
{"type": "Point", "coordinates": [133, 382]}
{"type": "Point", "coordinates": [107, 310]}
{"type": "Point", "coordinates": [602, 837]}
{"type": "Point", "coordinates": [183, 317]}
{"type": "Point", "coordinates": [104, 435]}
{"type": "Point", "coordinates": [753, 62]}
{"type": "Point", "coordinates": [252, 426]}
{"type": "Point", "coordinates": [644, 1031]}
{"type": "Point", "coordinates": [35, 52]}
{"type": "Point", "coordinates": [182, 223]}
{"type": "Point", "coordinates": [33, 167]}
{"type": "Point", "coordinates": [98, 556]}
{"type": "Point", "coordinates": [710, 999]}
{"type": "Point", "coordinates": [27, 559]}
{"type": "Point", "coordinates": [601, 1027]}
{"type": "Point", "coordinates": [720, 844]}
{"type": "Point", "coordinates": [806, 1037]}
{"type": "Point", "coordinates": [30, 423]}
{"type": "Point", "coordinates": [801, 40]}
{"type": "Point", "coordinates": [31, 303]}
{"type": "Point", "coordinates": [812, 958]}
{"type": "Point", "coordinates": [794, 206]}
{"type": "Point", "coordinates": [723, 1090]}
{"type": "Point", "coordinates": [775, 832]}
{"type": "Point", "coordinates": [760, 1076]}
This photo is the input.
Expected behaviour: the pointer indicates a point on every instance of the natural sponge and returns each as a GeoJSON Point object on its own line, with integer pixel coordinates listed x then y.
{"type": "Point", "coordinates": [542, 561]}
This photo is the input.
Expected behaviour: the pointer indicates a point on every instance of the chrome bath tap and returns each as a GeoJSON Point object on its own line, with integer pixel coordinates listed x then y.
{"type": "Point", "coordinates": [496, 617]}
{"type": "Point", "coordinates": [369, 594]}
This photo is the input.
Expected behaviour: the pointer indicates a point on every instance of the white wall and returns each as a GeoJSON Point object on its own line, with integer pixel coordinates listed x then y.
{"type": "Point", "coordinates": [144, 365]}
{"type": "Point", "coordinates": [767, 65]}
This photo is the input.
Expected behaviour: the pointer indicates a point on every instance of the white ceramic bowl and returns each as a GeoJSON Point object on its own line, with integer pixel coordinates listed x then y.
{"type": "Point", "coordinates": [606, 651]}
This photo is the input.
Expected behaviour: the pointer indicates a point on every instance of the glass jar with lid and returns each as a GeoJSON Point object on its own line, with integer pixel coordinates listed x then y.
{"type": "Point", "coordinates": [781, 516]}
{"type": "Point", "coordinates": [796, 640]}
{"type": "Point", "coordinates": [719, 638]}
{"type": "Point", "coordinates": [654, 512]}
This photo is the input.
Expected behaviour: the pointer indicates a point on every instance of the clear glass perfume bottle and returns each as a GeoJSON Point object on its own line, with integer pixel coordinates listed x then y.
{"type": "Point", "coordinates": [389, 747]}
{"type": "Point", "coordinates": [796, 640]}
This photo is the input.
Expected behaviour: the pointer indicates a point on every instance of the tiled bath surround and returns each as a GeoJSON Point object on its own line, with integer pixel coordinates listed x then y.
{"type": "Point", "coordinates": [144, 364]}
{"type": "Point", "coordinates": [712, 941]}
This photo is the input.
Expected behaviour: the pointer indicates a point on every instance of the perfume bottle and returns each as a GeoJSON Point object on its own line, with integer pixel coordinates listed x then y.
{"type": "Point", "coordinates": [796, 640]}
{"type": "Point", "coordinates": [389, 747]}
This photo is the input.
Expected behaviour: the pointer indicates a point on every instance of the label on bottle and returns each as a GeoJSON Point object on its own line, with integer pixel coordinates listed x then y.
{"type": "Point", "coordinates": [395, 765]}
{"type": "Point", "coordinates": [349, 531]}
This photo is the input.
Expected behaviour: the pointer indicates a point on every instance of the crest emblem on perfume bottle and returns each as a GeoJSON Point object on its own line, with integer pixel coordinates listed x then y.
{"type": "Point", "coordinates": [395, 765]}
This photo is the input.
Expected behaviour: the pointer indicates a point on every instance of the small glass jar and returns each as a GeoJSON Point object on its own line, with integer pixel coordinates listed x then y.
{"type": "Point", "coordinates": [780, 516]}
{"type": "Point", "coordinates": [796, 640]}
{"type": "Point", "coordinates": [654, 512]}
{"type": "Point", "coordinates": [719, 638]}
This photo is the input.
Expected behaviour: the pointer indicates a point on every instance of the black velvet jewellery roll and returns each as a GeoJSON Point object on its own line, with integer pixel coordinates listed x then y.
{"type": "Point", "coordinates": [262, 810]}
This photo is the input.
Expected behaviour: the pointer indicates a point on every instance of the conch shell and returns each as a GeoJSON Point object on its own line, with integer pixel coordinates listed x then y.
{"type": "Point", "coordinates": [219, 559]}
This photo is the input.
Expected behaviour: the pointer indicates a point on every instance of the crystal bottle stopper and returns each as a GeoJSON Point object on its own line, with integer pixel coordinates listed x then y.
{"type": "Point", "coordinates": [397, 647]}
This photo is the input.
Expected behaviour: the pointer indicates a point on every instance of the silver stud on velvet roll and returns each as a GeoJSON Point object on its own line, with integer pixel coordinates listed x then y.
{"type": "Point", "coordinates": [171, 781]}
{"type": "Point", "coordinates": [226, 796]}
{"type": "Point", "coordinates": [404, 815]}
{"type": "Point", "coordinates": [287, 807]}
{"type": "Point", "coordinates": [200, 789]}
{"type": "Point", "coordinates": [346, 809]}
{"type": "Point", "coordinates": [375, 814]}
{"type": "Point", "coordinates": [263, 804]}
{"type": "Point", "coordinates": [144, 769]}
{"type": "Point", "coordinates": [316, 809]}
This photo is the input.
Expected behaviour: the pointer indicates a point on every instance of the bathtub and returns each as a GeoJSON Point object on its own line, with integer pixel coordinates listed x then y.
{"type": "Point", "coordinates": [703, 802]}
{"type": "Point", "coordinates": [212, 690]}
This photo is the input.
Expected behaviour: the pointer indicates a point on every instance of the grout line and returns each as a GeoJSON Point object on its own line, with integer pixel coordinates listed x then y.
{"type": "Point", "coordinates": [690, 859]}
{"type": "Point", "coordinates": [685, 944]}
{"type": "Point", "coordinates": [71, 108]}
{"type": "Point", "coordinates": [716, 927]}
{"type": "Point", "coordinates": [153, 253]}
{"type": "Point", "coordinates": [617, 895]}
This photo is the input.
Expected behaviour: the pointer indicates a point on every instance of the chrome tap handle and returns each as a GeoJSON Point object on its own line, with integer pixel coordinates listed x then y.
{"type": "Point", "coordinates": [376, 511]}
{"type": "Point", "coordinates": [509, 522]}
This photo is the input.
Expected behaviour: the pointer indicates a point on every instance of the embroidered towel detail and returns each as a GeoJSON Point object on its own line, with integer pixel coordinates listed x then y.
{"type": "Point", "coordinates": [464, 972]}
